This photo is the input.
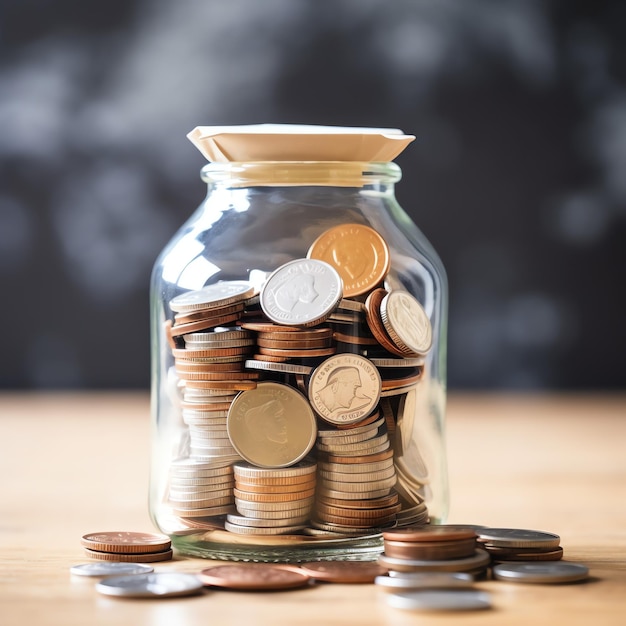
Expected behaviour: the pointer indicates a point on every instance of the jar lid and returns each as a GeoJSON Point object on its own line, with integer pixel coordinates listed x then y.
{"type": "Point", "coordinates": [298, 142]}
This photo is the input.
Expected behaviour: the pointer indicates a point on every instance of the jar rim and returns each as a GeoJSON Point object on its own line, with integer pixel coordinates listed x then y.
{"type": "Point", "coordinates": [301, 173]}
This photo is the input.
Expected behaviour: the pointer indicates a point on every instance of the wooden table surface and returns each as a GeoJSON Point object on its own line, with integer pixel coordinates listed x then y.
{"type": "Point", "coordinates": [77, 463]}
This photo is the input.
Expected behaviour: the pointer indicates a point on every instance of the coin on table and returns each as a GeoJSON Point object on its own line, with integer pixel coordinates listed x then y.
{"type": "Point", "coordinates": [110, 568]}
{"type": "Point", "coordinates": [253, 576]}
{"type": "Point", "coordinates": [302, 292]}
{"type": "Point", "coordinates": [406, 322]}
{"type": "Point", "coordinates": [430, 533]}
{"type": "Point", "coordinates": [542, 572]}
{"type": "Point", "coordinates": [440, 600]}
{"type": "Point", "coordinates": [161, 585]}
{"type": "Point", "coordinates": [518, 538]}
{"type": "Point", "coordinates": [358, 252]}
{"type": "Point", "coordinates": [126, 542]}
{"type": "Point", "coordinates": [424, 580]}
{"type": "Point", "coordinates": [216, 295]}
{"type": "Point", "coordinates": [344, 571]}
{"type": "Point", "coordinates": [272, 425]}
{"type": "Point", "coordinates": [345, 388]}
{"type": "Point", "coordinates": [138, 557]}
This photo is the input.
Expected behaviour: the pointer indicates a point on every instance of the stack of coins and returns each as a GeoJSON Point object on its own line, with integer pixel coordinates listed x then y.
{"type": "Point", "coordinates": [433, 549]}
{"type": "Point", "coordinates": [272, 501]}
{"type": "Point", "coordinates": [129, 547]}
{"type": "Point", "coordinates": [513, 544]}
{"type": "Point", "coordinates": [199, 490]}
{"type": "Point", "coordinates": [355, 352]}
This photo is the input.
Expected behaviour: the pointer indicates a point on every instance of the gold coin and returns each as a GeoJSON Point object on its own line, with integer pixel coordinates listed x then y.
{"type": "Point", "coordinates": [406, 323]}
{"type": "Point", "coordinates": [272, 425]}
{"type": "Point", "coordinates": [344, 388]}
{"type": "Point", "coordinates": [297, 353]}
{"type": "Point", "coordinates": [358, 253]}
{"type": "Point", "coordinates": [151, 557]}
{"type": "Point", "coordinates": [304, 469]}
{"type": "Point", "coordinates": [366, 458]}
{"type": "Point", "coordinates": [295, 344]}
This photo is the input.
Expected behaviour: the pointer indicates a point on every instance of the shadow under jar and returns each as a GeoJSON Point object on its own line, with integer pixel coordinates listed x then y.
{"type": "Point", "coordinates": [298, 336]}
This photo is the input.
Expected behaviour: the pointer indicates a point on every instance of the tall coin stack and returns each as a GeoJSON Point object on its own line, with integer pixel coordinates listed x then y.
{"type": "Point", "coordinates": [306, 392]}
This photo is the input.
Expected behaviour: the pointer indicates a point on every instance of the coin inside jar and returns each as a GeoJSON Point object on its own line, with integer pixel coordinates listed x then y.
{"type": "Point", "coordinates": [272, 425]}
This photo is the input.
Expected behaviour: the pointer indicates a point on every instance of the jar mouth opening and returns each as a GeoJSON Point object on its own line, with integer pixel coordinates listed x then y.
{"type": "Point", "coordinates": [301, 173]}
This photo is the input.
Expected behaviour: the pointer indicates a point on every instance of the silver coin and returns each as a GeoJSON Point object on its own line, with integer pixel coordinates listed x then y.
{"type": "Point", "coordinates": [213, 296]}
{"type": "Point", "coordinates": [110, 568]}
{"type": "Point", "coordinates": [162, 585]}
{"type": "Point", "coordinates": [518, 538]}
{"type": "Point", "coordinates": [302, 292]}
{"type": "Point", "coordinates": [541, 572]}
{"type": "Point", "coordinates": [440, 600]}
{"type": "Point", "coordinates": [425, 580]}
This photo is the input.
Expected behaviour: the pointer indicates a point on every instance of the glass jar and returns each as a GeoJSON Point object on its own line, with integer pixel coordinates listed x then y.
{"type": "Point", "coordinates": [298, 336]}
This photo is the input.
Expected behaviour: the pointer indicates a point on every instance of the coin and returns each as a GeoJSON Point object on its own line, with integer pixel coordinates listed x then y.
{"type": "Point", "coordinates": [288, 368]}
{"type": "Point", "coordinates": [548, 572]}
{"type": "Point", "coordinates": [435, 550]}
{"type": "Point", "coordinates": [161, 585]}
{"type": "Point", "coordinates": [375, 322]}
{"type": "Point", "coordinates": [253, 576]}
{"type": "Point", "coordinates": [218, 294]}
{"type": "Point", "coordinates": [424, 580]}
{"type": "Point", "coordinates": [344, 388]}
{"type": "Point", "coordinates": [343, 571]}
{"type": "Point", "coordinates": [518, 538]}
{"type": "Point", "coordinates": [406, 322]}
{"type": "Point", "coordinates": [299, 472]}
{"type": "Point", "coordinates": [125, 542]}
{"type": "Point", "coordinates": [110, 568]}
{"type": "Point", "coordinates": [440, 600]}
{"type": "Point", "coordinates": [479, 559]}
{"type": "Point", "coordinates": [302, 292]}
{"type": "Point", "coordinates": [137, 557]}
{"type": "Point", "coordinates": [430, 533]}
{"type": "Point", "coordinates": [358, 253]}
{"type": "Point", "coordinates": [272, 425]}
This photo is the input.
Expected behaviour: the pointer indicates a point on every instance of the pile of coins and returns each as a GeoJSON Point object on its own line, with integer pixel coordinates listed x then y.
{"type": "Point", "coordinates": [272, 501]}
{"type": "Point", "coordinates": [129, 547]}
{"type": "Point", "coordinates": [512, 544]}
{"type": "Point", "coordinates": [320, 365]}
{"type": "Point", "coordinates": [426, 568]}
{"type": "Point", "coordinates": [433, 549]}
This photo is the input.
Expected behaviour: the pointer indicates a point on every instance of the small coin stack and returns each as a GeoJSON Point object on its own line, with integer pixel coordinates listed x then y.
{"type": "Point", "coordinates": [433, 549]}
{"type": "Point", "coordinates": [200, 489]}
{"type": "Point", "coordinates": [356, 479]}
{"type": "Point", "coordinates": [272, 501]}
{"type": "Point", "coordinates": [127, 547]}
{"type": "Point", "coordinates": [353, 350]}
{"type": "Point", "coordinates": [513, 544]}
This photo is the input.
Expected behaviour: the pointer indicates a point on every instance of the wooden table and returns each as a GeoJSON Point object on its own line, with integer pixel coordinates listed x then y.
{"type": "Point", "coordinates": [76, 463]}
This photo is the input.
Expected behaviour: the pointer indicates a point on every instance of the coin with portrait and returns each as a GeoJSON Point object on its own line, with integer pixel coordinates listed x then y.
{"type": "Point", "coordinates": [345, 388]}
{"type": "Point", "coordinates": [272, 425]}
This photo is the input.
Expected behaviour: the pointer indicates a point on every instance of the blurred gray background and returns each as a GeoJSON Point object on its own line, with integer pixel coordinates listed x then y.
{"type": "Point", "coordinates": [518, 175]}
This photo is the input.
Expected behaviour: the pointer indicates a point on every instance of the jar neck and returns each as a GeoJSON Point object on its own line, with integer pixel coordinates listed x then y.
{"type": "Point", "coordinates": [301, 174]}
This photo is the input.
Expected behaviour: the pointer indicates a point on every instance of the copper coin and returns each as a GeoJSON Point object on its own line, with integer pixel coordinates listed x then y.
{"type": "Point", "coordinates": [270, 359]}
{"type": "Point", "coordinates": [355, 339]}
{"type": "Point", "coordinates": [294, 354]}
{"type": "Point", "coordinates": [253, 576]}
{"type": "Point", "coordinates": [504, 554]}
{"type": "Point", "coordinates": [211, 322]}
{"type": "Point", "coordinates": [344, 571]}
{"type": "Point", "coordinates": [149, 557]}
{"type": "Point", "coordinates": [435, 550]}
{"type": "Point", "coordinates": [167, 329]}
{"type": "Point", "coordinates": [293, 333]}
{"type": "Point", "coordinates": [375, 322]}
{"type": "Point", "coordinates": [125, 542]}
{"type": "Point", "coordinates": [430, 533]}
{"type": "Point", "coordinates": [284, 496]}
{"type": "Point", "coordinates": [294, 344]}
{"type": "Point", "coordinates": [216, 376]}
{"type": "Point", "coordinates": [368, 503]}
{"type": "Point", "coordinates": [358, 253]}
{"type": "Point", "coordinates": [267, 327]}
